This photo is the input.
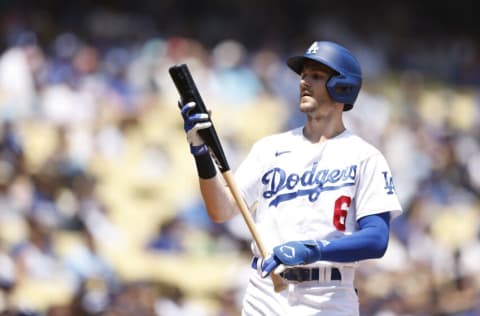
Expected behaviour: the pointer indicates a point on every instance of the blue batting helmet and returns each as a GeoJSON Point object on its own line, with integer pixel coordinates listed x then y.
{"type": "Point", "coordinates": [344, 85]}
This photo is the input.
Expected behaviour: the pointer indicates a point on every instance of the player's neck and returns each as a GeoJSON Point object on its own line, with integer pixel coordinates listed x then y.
{"type": "Point", "coordinates": [317, 131]}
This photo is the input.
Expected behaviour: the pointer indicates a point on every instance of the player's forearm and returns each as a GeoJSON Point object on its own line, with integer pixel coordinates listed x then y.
{"type": "Point", "coordinates": [218, 200]}
{"type": "Point", "coordinates": [368, 243]}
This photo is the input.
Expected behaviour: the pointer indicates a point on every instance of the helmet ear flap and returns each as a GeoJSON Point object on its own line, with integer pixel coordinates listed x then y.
{"type": "Point", "coordinates": [343, 89]}
{"type": "Point", "coordinates": [331, 86]}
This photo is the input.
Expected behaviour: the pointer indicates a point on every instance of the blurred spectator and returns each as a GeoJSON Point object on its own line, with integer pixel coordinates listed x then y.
{"type": "Point", "coordinates": [11, 146]}
{"type": "Point", "coordinates": [36, 258]}
{"type": "Point", "coordinates": [123, 99]}
{"type": "Point", "coordinates": [228, 303]}
{"type": "Point", "coordinates": [8, 280]}
{"type": "Point", "coordinates": [92, 298]}
{"type": "Point", "coordinates": [169, 237]}
{"type": "Point", "coordinates": [235, 83]}
{"type": "Point", "coordinates": [174, 302]}
{"type": "Point", "coordinates": [20, 65]}
{"type": "Point", "coordinates": [58, 310]}
{"type": "Point", "coordinates": [85, 263]}
{"type": "Point", "coordinates": [135, 298]}
{"type": "Point", "coordinates": [93, 212]}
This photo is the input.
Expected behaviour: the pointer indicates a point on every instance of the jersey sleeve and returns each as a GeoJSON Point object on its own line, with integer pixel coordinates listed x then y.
{"type": "Point", "coordinates": [376, 191]}
{"type": "Point", "coordinates": [247, 175]}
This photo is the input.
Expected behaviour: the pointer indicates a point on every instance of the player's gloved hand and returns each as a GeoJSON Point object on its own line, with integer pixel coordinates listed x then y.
{"type": "Point", "coordinates": [194, 122]}
{"type": "Point", "coordinates": [292, 253]}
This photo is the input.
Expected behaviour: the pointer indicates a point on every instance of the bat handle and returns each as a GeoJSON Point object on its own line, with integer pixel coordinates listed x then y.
{"type": "Point", "coordinates": [278, 283]}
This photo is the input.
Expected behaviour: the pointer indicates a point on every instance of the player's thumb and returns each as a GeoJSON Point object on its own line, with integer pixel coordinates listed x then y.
{"type": "Point", "coordinates": [268, 265]}
{"type": "Point", "coordinates": [279, 269]}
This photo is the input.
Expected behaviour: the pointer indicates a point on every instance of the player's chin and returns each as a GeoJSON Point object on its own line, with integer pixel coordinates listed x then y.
{"type": "Point", "coordinates": [307, 103]}
{"type": "Point", "coordinates": [307, 107]}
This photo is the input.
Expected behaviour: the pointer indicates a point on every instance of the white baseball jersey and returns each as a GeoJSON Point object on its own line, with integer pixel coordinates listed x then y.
{"type": "Point", "coordinates": [313, 191]}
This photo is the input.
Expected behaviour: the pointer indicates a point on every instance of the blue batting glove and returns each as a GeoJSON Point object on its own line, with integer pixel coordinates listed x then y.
{"type": "Point", "coordinates": [194, 122]}
{"type": "Point", "coordinates": [269, 264]}
{"type": "Point", "coordinates": [292, 253]}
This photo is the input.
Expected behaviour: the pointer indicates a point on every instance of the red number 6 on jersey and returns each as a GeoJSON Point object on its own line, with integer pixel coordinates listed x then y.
{"type": "Point", "coordinates": [340, 212]}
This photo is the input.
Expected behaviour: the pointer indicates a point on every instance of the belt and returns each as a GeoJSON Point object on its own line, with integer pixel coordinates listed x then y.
{"type": "Point", "coordinates": [307, 274]}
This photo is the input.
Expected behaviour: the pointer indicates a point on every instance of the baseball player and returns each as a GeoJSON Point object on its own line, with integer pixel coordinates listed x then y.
{"type": "Point", "coordinates": [324, 196]}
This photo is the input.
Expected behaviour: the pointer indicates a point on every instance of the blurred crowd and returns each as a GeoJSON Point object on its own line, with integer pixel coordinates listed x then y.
{"type": "Point", "coordinates": [99, 208]}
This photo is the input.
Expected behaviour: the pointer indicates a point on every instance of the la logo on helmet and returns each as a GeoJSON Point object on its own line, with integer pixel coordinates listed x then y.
{"type": "Point", "coordinates": [313, 49]}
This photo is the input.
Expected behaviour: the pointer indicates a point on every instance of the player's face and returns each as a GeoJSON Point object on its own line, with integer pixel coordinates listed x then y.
{"type": "Point", "coordinates": [314, 96]}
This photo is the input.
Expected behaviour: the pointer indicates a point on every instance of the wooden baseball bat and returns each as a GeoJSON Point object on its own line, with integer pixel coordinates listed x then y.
{"type": "Point", "coordinates": [278, 283]}
{"type": "Point", "coordinates": [188, 92]}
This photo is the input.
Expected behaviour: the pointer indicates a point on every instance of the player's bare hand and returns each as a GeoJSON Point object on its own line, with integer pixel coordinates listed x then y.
{"type": "Point", "coordinates": [290, 254]}
{"type": "Point", "coordinates": [193, 123]}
